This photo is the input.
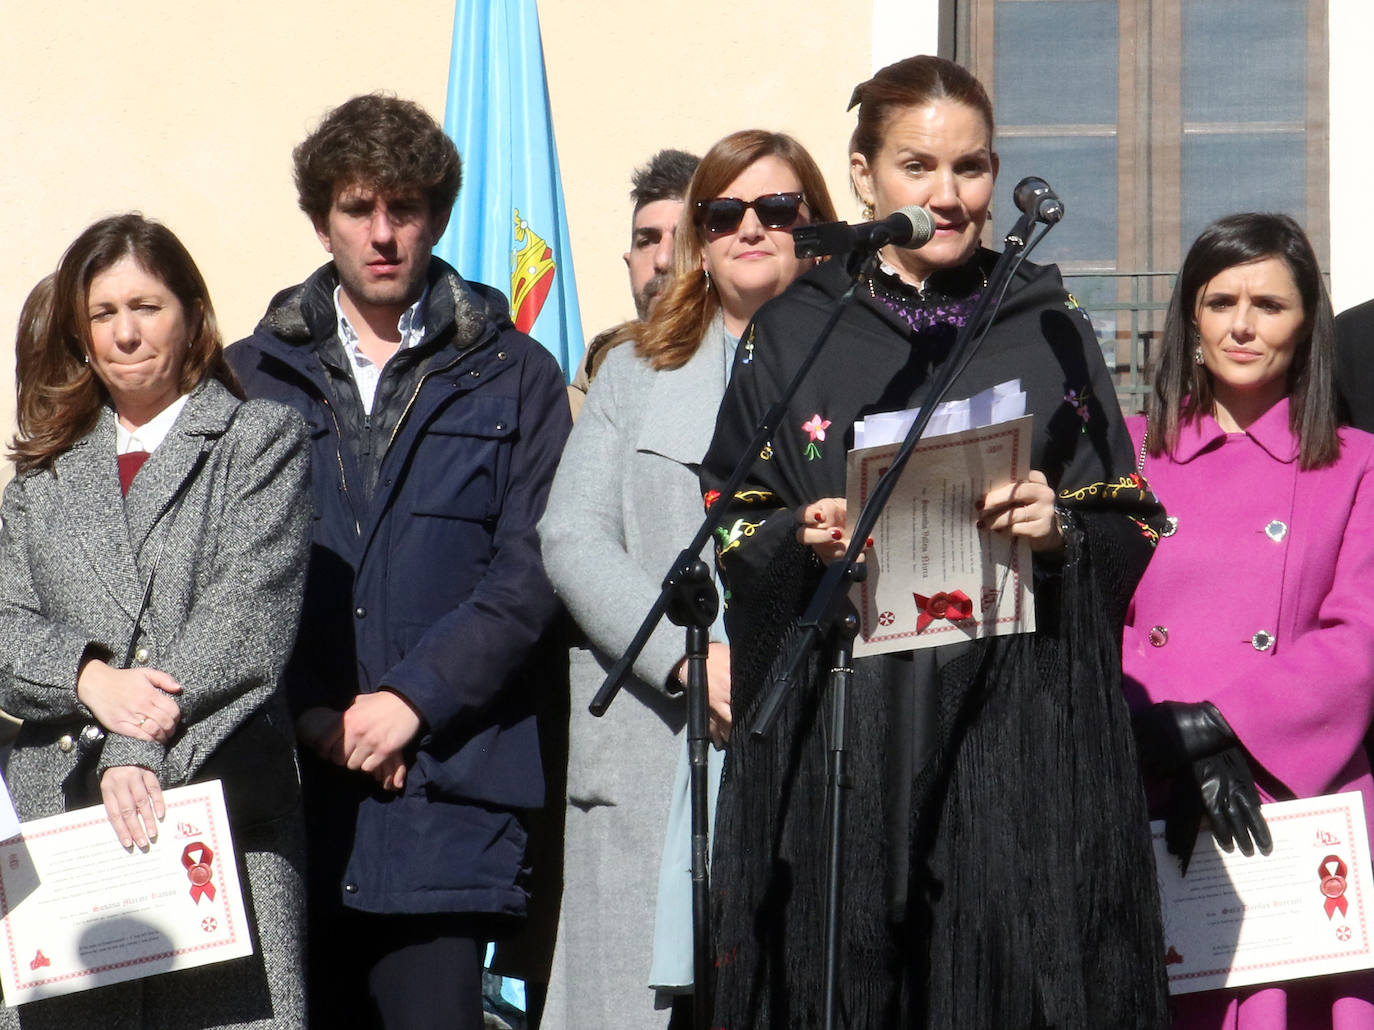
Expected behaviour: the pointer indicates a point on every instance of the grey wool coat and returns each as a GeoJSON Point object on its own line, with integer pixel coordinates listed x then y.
{"type": "Point", "coordinates": [623, 504]}
{"type": "Point", "coordinates": [74, 558]}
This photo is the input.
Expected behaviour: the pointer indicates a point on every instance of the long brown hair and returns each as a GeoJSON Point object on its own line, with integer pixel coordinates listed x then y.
{"type": "Point", "coordinates": [35, 323]}
{"type": "Point", "coordinates": [59, 395]}
{"type": "Point", "coordinates": [1183, 389]}
{"type": "Point", "coordinates": [686, 307]}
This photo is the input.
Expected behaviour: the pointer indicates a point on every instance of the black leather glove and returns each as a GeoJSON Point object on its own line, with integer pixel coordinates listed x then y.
{"type": "Point", "coordinates": [1171, 734]}
{"type": "Point", "coordinates": [1221, 787]}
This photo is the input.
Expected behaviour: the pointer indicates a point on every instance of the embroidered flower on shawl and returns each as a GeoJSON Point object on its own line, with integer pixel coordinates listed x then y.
{"type": "Point", "coordinates": [1071, 302]}
{"type": "Point", "coordinates": [815, 428]}
{"type": "Point", "coordinates": [734, 536]}
{"type": "Point", "coordinates": [748, 358]}
{"type": "Point", "coordinates": [1078, 400]}
{"type": "Point", "coordinates": [1146, 530]}
{"type": "Point", "coordinates": [943, 313]}
{"type": "Point", "coordinates": [710, 497]}
{"type": "Point", "coordinates": [941, 308]}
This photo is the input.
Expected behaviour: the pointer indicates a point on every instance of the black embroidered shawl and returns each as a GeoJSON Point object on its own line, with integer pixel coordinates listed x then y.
{"type": "Point", "coordinates": [1018, 887]}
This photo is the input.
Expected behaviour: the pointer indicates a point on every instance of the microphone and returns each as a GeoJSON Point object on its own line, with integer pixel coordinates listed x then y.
{"type": "Point", "coordinates": [1035, 198]}
{"type": "Point", "coordinates": [910, 227]}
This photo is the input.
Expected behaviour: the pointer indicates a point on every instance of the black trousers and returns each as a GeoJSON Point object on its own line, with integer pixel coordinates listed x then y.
{"type": "Point", "coordinates": [397, 972]}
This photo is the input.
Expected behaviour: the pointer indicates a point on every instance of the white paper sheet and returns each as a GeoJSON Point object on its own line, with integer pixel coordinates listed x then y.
{"type": "Point", "coordinates": [1303, 910]}
{"type": "Point", "coordinates": [932, 576]}
{"type": "Point", "coordinates": [78, 911]}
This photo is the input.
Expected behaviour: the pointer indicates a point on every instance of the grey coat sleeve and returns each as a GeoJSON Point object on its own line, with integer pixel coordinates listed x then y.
{"type": "Point", "coordinates": [607, 589]}
{"type": "Point", "coordinates": [40, 656]}
{"type": "Point", "coordinates": [230, 648]}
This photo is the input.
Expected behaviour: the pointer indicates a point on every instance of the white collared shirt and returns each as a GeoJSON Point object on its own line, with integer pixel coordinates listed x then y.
{"type": "Point", "coordinates": [148, 436]}
{"type": "Point", "coordinates": [367, 373]}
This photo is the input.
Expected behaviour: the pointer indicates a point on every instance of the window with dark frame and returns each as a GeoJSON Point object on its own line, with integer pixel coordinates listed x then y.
{"type": "Point", "coordinates": [1150, 118]}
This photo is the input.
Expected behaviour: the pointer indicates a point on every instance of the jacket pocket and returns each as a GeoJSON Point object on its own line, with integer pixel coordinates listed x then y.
{"type": "Point", "coordinates": [461, 462]}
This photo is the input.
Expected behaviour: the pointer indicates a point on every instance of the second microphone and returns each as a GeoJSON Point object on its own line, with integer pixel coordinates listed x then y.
{"type": "Point", "coordinates": [909, 227]}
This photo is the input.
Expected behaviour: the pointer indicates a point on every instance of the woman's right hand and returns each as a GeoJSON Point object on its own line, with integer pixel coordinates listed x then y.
{"type": "Point", "coordinates": [823, 527]}
{"type": "Point", "coordinates": [131, 702]}
{"type": "Point", "coordinates": [133, 804]}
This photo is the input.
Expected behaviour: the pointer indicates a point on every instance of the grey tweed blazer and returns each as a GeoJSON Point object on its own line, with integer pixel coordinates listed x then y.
{"type": "Point", "coordinates": [74, 558]}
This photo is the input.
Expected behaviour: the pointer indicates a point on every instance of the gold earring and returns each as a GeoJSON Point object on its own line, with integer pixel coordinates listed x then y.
{"type": "Point", "coordinates": [868, 212]}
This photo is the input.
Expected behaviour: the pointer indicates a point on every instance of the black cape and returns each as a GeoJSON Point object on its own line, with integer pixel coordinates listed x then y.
{"type": "Point", "coordinates": [999, 869]}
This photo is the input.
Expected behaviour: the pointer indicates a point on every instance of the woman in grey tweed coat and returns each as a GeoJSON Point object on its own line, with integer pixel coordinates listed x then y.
{"type": "Point", "coordinates": [133, 357]}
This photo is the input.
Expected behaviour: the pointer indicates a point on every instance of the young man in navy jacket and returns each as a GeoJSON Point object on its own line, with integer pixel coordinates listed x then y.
{"type": "Point", "coordinates": [436, 430]}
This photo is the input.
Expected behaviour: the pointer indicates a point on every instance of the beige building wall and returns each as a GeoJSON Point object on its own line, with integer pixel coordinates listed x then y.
{"type": "Point", "coordinates": [191, 117]}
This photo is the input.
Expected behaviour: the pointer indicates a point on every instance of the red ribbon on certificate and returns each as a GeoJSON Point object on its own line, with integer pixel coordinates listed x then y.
{"type": "Point", "coordinates": [953, 606]}
{"type": "Point", "coordinates": [1333, 885]}
{"type": "Point", "coordinates": [198, 870]}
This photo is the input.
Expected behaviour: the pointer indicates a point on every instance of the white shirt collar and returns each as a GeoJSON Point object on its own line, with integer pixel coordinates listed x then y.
{"type": "Point", "coordinates": [366, 374]}
{"type": "Point", "coordinates": [148, 436]}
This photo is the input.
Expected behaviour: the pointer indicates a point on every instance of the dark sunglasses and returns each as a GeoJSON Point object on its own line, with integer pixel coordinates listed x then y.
{"type": "Point", "coordinates": [721, 215]}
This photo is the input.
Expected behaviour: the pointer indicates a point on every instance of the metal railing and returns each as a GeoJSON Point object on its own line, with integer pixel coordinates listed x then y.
{"type": "Point", "coordinates": [1127, 310]}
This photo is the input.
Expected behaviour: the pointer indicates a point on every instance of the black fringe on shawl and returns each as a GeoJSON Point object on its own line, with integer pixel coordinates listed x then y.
{"type": "Point", "coordinates": [1032, 876]}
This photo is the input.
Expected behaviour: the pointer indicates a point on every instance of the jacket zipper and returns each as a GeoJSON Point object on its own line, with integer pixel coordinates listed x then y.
{"type": "Point", "coordinates": [338, 456]}
{"type": "Point", "coordinates": [411, 403]}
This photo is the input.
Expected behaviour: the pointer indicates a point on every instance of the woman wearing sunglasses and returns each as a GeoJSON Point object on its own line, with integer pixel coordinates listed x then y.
{"type": "Point", "coordinates": [998, 868]}
{"type": "Point", "coordinates": [623, 504]}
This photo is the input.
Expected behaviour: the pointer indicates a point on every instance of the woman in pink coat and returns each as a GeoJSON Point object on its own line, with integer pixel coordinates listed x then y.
{"type": "Point", "coordinates": [1249, 645]}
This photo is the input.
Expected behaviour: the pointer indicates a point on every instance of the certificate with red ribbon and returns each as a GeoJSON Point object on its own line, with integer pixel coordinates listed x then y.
{"type": "Point", "coordinates": [79, 911]}
{"type": "Point", "coordinates": [1303, 910]}
{"type": "Point", "coordinates": [933, 576]}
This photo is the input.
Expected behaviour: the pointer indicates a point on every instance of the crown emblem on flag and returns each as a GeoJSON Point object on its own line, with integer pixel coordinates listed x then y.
{"type": "Point", "coordinates": [531, 277]}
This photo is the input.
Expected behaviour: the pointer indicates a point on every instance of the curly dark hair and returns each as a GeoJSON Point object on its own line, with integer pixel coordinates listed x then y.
{"type": "Point", "coordinates": [665, 177]}
{"type": "Point", "coordinates": [380, 142]}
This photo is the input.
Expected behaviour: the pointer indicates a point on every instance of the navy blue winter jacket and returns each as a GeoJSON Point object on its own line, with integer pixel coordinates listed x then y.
{"type": "Point", "coordinates": [433, 587]}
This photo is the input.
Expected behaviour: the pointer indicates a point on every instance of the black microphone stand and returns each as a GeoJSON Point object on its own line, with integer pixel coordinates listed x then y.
{"type": "Point", "coordinates": [829, 612]}
{"type": "Point", "coordinates": [688, 598]}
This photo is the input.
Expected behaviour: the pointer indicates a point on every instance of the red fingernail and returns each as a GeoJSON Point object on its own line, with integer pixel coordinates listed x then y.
{"type": "Point", "coordinates": [818, 517]}
{"type": "Point", "coordinates": [980, 525]}
{"type": "Point", "coordinates": [870, 542]}
{"type": "Point", "coordinates": [836, 534]}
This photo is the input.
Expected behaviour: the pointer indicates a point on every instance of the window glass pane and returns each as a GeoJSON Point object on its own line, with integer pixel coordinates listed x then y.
{"type": "Point", "coordinates": [1223, 174]}
{"type": "Point", "coordinates": [1056, 63]}
{"type": "Point", "coordinates": [1243, 60]}
{"type": "Point", "coordinates": [1082, 171]}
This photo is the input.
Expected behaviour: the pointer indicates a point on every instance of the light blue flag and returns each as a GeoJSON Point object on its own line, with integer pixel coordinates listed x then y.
{"type": "Point", "coordinates": [510, 227]}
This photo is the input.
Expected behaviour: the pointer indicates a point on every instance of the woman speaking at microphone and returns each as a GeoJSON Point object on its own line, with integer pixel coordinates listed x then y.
{"type": "Point", "coordinates": [998, 867]}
